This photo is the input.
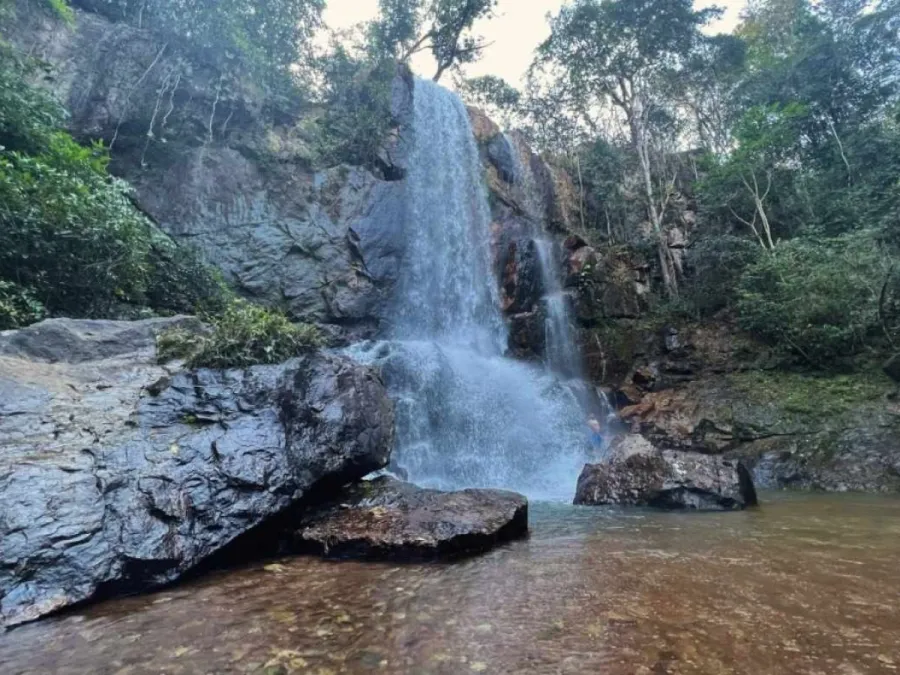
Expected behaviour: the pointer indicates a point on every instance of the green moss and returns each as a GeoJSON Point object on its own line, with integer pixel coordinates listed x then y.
{"type": "Point", "coordinates": [810, 395]}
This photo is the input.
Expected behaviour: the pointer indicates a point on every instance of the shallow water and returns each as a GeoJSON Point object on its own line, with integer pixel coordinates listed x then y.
{"type": "Point", "coordinates": [805, 584]}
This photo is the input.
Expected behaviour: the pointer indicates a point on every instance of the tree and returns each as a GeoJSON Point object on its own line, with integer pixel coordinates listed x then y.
{"type": "Point", "coordinates": [494, 95]}
{"type": "Point", "coordinates": [767, 141]}
{"type": "Point", "coordinates": [706, 90]}
{"type": "Point", "coordinates": [621, 54]}
{"type": "Point", "coordinates": [268, 37]}
{"type": "Point", "coordinates": [443, 27]}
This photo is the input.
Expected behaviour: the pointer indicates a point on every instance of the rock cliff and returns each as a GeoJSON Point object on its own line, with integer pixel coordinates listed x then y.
{"type": "Point", "coordinates": [225, 170]}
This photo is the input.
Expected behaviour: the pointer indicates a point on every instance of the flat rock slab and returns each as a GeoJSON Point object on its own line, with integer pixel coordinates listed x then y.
{"type": "Point", "coordinates": [640, 475]}
{"type": "Point", "coordinates": [386, 519]}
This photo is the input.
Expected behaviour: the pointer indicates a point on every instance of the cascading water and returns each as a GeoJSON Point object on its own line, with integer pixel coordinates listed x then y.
{"type": "Point", "coordinates": [466, 416]}
{"type": "Point", "coordinates": [560, 351]}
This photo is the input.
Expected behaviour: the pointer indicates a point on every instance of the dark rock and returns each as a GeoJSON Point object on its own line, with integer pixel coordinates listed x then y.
{"type": "Point", "coordinates": [500, 154]}
{"type": "Point", "coordinates": [674, 341]}
{"type": "Point", "coordinates": [610, 285]}
{"type": "Point", "coordinates": [77, 341]}
{"type": "Point", "coordinates": [864, 457]}
{"type": "Point", "coordinates": [519, 270]}
{"type": "Point", "coordinates": [106, 489]}
{"type": "Point", "coordinates": [527, 335]}
{"type": "Point", "coordinates": [640, 475]}
{"type": "Point", "coordinates": [389, 520]}
{"type": "Point", "coordinates": [892, 368]}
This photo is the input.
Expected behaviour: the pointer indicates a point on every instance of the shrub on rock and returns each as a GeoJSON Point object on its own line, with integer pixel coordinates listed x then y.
{"type": "Point", "coordinates": [243, 335]}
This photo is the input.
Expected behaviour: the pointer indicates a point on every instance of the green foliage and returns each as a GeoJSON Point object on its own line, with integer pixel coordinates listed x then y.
{"type": "Point", "coordinates": [242, 335]}
{"type": "Point", "coordinates": [818, 299]}
{"type": "Point", "coordinates": [357, 98]}
{"type": "Point", "coordinates": [61, 9]}
{"type": "Point", "coordinates": [179, 281]}
{"type": "Point", "coordinates": [499, 99]}
{"type": "Point", "coordinates": [820, 396]}
{"type": "Point", "coordinates": [716, 266]}
{"type": "Point", "coordinates": [606, 49]}
{"type": "Point", "coordinates": [27, 114]}
{"type": "Point", "coordinates": [69, 233]}
{"type": "Point", "coordinates": [267, 37]}
{"type": "Point", "coordinates": [601, 168]}
{"type": "Point", "coordinates": [442, 27]}
{"type": "Point", "coordinates": [18, 306]}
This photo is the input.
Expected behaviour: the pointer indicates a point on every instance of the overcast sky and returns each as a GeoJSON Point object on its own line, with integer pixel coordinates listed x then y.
{"type": "Point", "coordinates": [520, 26]}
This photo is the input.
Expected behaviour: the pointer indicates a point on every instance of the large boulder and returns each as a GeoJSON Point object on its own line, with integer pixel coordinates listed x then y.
{"type": "Point", "coordinates": [640, 475]}
{"type": "Point", "coordinates": [386, 519]}
{"type": "Point", "coordinates": [118, 474]}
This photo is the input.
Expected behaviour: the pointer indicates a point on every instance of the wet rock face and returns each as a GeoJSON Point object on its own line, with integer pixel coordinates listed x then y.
{"type": "Point", "coordinates": [389, 520]}
{"type": "Point", "coordinates": [640, 475]}
{"type": "Point", "coordinates": [892, 368]}
{"type": "Point", "coordinates": [117, 475]}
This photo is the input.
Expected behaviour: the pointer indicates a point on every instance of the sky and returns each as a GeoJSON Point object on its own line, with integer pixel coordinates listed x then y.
{"type": "Point", "coordinates": [519, 27]}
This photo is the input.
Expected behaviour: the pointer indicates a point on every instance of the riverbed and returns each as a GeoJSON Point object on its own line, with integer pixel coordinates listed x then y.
{"type": "Point", "coordinates": [803, 584]}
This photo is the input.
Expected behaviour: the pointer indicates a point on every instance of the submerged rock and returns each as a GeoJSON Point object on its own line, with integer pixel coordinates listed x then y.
{"type": "Point", "coordinates": [117, 475]}
{"type": "Point", "coordinates": [640, 475]}
{"type": "Point", "coordinates": [388, 520]}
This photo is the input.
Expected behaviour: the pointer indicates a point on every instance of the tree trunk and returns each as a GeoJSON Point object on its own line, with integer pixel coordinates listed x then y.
{"type": "Point", "coordinates": [669, 274]}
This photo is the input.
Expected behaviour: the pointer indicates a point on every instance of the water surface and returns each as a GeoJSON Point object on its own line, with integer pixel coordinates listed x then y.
{"type": "Point", "coordinates": [805, 584]}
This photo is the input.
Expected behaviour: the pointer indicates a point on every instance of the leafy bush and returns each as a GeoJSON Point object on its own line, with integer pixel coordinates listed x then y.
{"type": "Point", "coordinates": [27, 114]}
{"type": "Point", "coordinates": [357, 98]}
{"type": "Point", "coordinates": [178, 281]}
{"type": "Point", "coordinates": [68, 231]}
{"type": "Point", "coordinates": [18, 306]}
{"type": "Point", "coordinates": [716, 265]}
{"type": "Point", "coordinates": [819, 299]}
{"type": "Point", "coordinates": [242, 335]}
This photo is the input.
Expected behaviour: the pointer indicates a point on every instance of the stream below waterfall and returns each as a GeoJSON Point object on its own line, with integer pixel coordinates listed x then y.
{"type": "Point", "coordinates": [803, 584]}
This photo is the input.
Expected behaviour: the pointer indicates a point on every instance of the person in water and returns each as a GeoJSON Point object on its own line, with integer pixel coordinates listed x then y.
{"type": "Point", "coordinates": [595, 435]}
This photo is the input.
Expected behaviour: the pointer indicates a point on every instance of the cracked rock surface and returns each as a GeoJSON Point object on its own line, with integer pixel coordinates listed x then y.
{"type": "Point", "coordinates": [118, 474]}
{"type": "Point", "coordinates": [386, 519]}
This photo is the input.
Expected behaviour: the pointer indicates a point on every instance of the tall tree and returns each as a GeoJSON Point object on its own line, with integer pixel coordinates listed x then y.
{"type": "Point", "coordinates": [621, 54]}
{"type": "Point", "coordinates": [442, 27]}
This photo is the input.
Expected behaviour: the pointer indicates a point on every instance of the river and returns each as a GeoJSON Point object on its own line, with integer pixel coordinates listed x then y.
{"type": "Point", "coordinates": [803, 584]}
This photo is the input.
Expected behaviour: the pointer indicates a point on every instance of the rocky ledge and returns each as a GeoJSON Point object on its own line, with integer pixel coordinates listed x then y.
{"type": "Point", "coordinates": [389, 520]}
{"type": "Point", "coordinates": [118, 474]}
{"type": "Point", "coordinates": [640, 475]}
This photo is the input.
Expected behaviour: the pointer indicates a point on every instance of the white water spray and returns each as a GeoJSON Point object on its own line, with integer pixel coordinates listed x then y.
{"type": "Point", "coordinates": [466, 416]}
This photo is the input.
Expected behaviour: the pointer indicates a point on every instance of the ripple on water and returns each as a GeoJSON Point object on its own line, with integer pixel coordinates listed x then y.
{"type": "Point", "coordinates": [806, 584]}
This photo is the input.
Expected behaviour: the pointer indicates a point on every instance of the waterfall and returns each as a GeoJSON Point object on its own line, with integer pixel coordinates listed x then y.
{"type": "Point", "coordinates": [446, 289]}
{"type": "Point", "coordinates": [466, 415]}
{"type": "Point", "coordinates": [561, 353]}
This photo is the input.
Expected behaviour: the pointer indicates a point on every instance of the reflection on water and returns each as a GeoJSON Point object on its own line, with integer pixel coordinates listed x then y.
{"type": "Point", "coordinates": [806, 584]}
